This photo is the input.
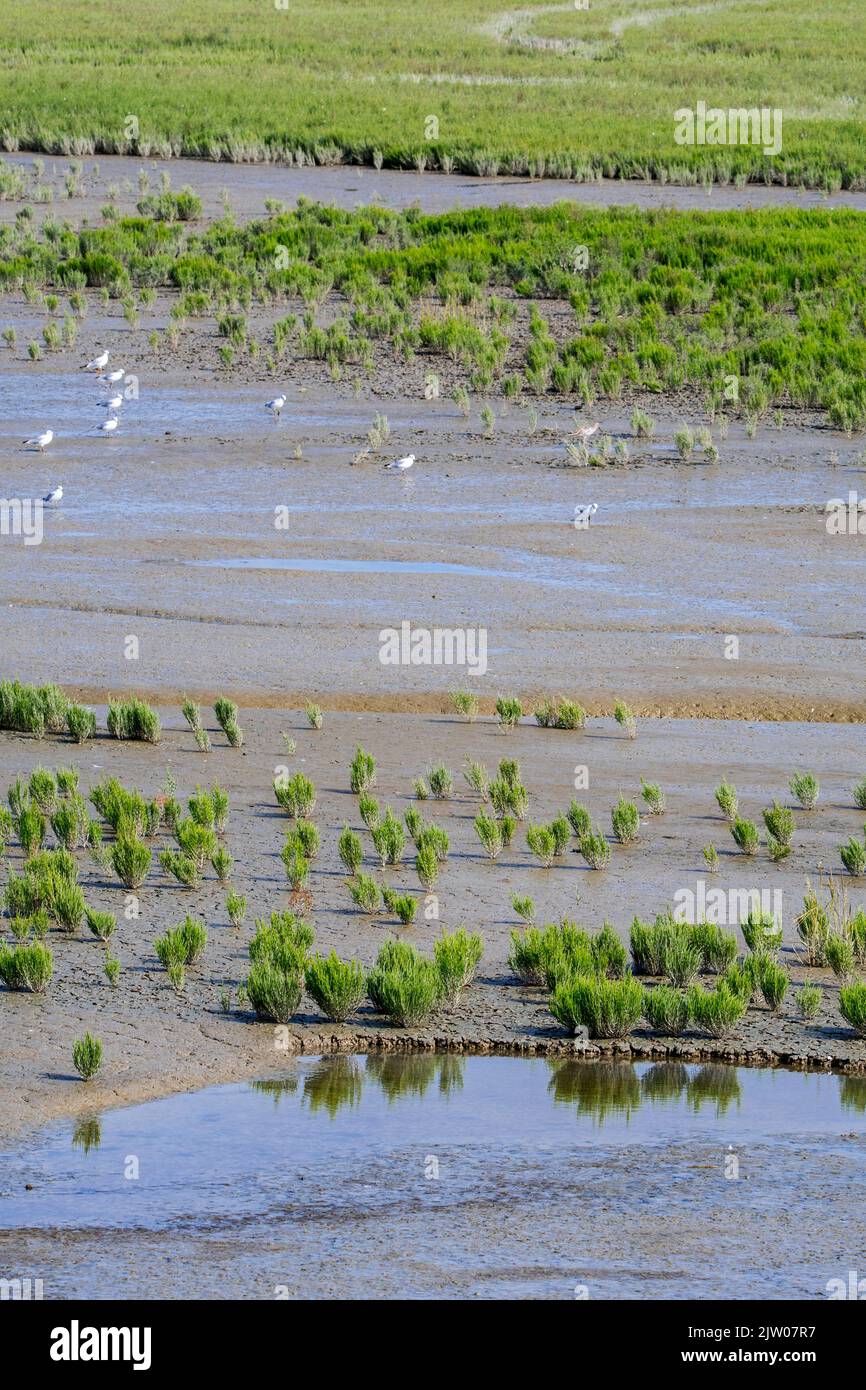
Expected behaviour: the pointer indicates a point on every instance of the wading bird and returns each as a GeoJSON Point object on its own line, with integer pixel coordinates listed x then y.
{"type": "Point", "coordinates": [113, 377]}
{"type": "Point", "coordinates": [108, 426]}
{"type": "Point", "coordinates": [54, 495]}
{"type": "Point", "coordinates": [276, 405]}
{"type": "Point", "coordinates": [39, 441]}
{"type": "Point", "coordinates": [403, 463]}
{"type": "Point", "coordinates": [583, 515]}
{"type": "Point", "coordinates": [113, 402]}
{"type": "Point", "coordinates": [585, 432]}
{"type": "Point", "coordinates": [98, 362]}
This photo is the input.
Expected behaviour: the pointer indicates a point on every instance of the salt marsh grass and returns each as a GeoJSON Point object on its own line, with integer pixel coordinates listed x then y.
{"type": "Point", "coordinates": [87, 1056]}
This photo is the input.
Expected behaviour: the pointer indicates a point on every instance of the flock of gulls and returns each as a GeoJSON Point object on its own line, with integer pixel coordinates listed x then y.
{"type": "Point", "coordinates": [115, 398]}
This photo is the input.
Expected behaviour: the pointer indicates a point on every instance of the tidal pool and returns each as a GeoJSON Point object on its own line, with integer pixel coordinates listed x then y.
{"type": "Point", "coordinates": [439, 1176]}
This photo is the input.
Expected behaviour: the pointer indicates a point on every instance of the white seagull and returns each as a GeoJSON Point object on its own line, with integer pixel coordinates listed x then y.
{"type": "Point", "coordinates": [39, 441]}
{"type": "Point", "coordinates": [54, 495]}
{"type": "Point", "coordinates": [98, 363]}
{"type": "Point", "coordinates": [402, 463]}
{"type": "Point", "coordinates": [113, 402]}
{"type": "Point", "coordinates": [108, 426]}
{"type": "Point", "coordinates": [585, 432]}
{"type": "Point", "coordinates": [112, 377]}
{"type": "Point", "coordinates": [276, 405]}
{"type": "Point", "coordinates": [583, 515]}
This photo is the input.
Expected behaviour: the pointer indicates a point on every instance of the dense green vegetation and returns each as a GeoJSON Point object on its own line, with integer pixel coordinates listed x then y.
{"type": "Point", "coordinates": [750, 309]}
{"type": "Point", "coordinates": [463, 84]}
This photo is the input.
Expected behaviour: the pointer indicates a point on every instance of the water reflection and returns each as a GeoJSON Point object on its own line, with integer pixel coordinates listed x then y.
{"type": "Point", "coordinates": [412, 1074]}
{"type": "Point", "coordinates": [852, 1093]}
{"type": "Point", "coordinates": [334, 1083]}
{"type": "Point", "coordinates": [602, 1089]}
{"type": "Point", "coordinates": [87, 1133]}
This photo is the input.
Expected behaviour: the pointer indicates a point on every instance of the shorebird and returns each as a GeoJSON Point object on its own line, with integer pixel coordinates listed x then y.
{"type": "Point", "coordinates": [403, 463]}
{"type": "Point", "coordinates": [112, 377]}
{"type": "Point", "coordinates": [583, 515]}
{"type": "Point", "coordinates": [98, 362]}
{"type": "Point", "coordinates": [39, 441]}
{"type": "Point", "coordinates": [585, 432]}
{"type": "Point", "coordinates": [54, 495]}
{"type": "Point", "coordinates": [276, 405]}
{"type": "Point", "coordinates": [108, 426]}
{"type": "Point", "coordinates": [113, 402]}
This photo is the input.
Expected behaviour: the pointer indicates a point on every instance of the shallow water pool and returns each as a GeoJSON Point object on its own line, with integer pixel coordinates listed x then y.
{"type": "Point", "coordinates": [430, 1176]}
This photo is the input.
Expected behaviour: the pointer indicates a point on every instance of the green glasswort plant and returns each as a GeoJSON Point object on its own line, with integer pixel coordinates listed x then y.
{"type": "Point", "coordinates": [351, 850]}
{"type": "Point", "coordinates": [441, 782]}
{"type": "Point", "coordinates": [605, 1008]}
{"type": "Point", "coordinates": [489, 833]}
{"type": "Point", "coordinates": [365, 893]}
{"type": "Point", "coordinates": [716, 1011]}
{"type": "Point", "coordinates": [404, 986]}
{"type": "Point", "coordinates": [525, 908]}
{"type": "Point", "coordinates": [509, 711]}
{"type": "Point", "coordinates": [852, 1006]}
{"type": "Point", "coordinates": [807, 1001]}
{"type": "Point", "coordinates": [711, 858]}
{"type": "Point", "coordinates": [625, 821]}
{"type": "Point", "coordinates": [315, 718]}
{"type": "Point", "coordinates": [226, 712]}
{"type": "Point", "coordinates": [653, 796]}
{"type": "Point", "coordinates": [337, 986]}
{"type": "Point", "coordinates": [362, 773]}
{"type": "Point", "coordinates": [403, 905]}
{"type": "Point", "coordinates": [477, 777]}
{"type": "Point", "coordinates": [745, 835]}
{"type": "Point", "coordinates": [542, 843]}
{"type": "Point", "coordinates": [236, 907]}
{"type": "Point", "coordinates": [26, 966]}
{"type": "Point", "coordinates": [805, 788]}
{"type": "Point", "coordinates": [130, 859]}
{"type": "Point", "coordinates": [625, 718]}
{"type": "Point", "coordinates": [464, 703]}
{"type": "Point", "coordinates": [456, 956]}
{"type": "Point", "coordinates": [102, 924]}
{"type": "Point", "coordinates": [595, 849]}
{"type": "Point", "coordinates": [133, 719]}
{"type": "Point", "coordinates": [87, 1054]}
{"type": "Point", "coordinates": [726, 796]}
{"type": "Point", "coordinates": [853, 856]}
{"type": "Point", "coordinates": [666, 1010]}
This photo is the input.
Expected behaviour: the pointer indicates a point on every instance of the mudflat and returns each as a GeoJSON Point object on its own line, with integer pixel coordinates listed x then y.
{"type": "Point", "coordinates": [157, 1041]}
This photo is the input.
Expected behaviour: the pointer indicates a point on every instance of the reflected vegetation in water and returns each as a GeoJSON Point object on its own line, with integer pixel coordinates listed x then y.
{"type": "Point", "coordinates": [87, 1133]}
{"type": "Point", "coordinates": [616, 1088]}
{"type": "Point", "coordinates": [596, 1091]}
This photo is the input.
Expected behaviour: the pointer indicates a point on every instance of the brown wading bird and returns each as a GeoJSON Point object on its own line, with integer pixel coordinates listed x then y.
{"type": "Point", "coordinates": [585, 432]}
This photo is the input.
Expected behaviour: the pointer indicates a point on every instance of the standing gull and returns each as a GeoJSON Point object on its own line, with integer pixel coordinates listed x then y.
{"type": "Point", "coordinates": [54, 495]}
{"type": "Point", "coordinates": [113, 377]}
{"type": "Point", "coordinates": [108, 426]}
{"type": "Point", "coordinates": [113, 402]}
{"type": "Point", "coordinates": [276, 405]}
{"type": "Point", "coordinates": [39, 441]}
{"type": "Point", "coordinates": [403, 463]}
{"type": "Point", "coordinates": [583, 515]}
{"type": "Point", "coordinates": [98, 363]}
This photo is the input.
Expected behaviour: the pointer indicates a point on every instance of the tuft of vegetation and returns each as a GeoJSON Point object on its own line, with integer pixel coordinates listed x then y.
{"type": "Point", "coordinates": [852, 1007]}
{"type": "Point", "coordinates": [362, 774]}
{"type": "Point", "coordinates": [133, 719]}
{"type": "Point", "coordinates": [337, 986]}
{"type": "Point", "coordinates": [605, 1008]}
{"type": "Point", "coordinates": [87, 1055]}
{"type": "Point", "coordinates": [226, 712]}
{"type": "Point", "coordinates": [805, 788]}
{"type": "Point", "coordinates": [464, 703]}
